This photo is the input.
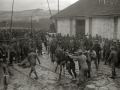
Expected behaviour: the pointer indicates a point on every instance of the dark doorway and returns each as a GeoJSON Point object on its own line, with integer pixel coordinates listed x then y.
{"type": "Point", "coordinates": [80, 28]}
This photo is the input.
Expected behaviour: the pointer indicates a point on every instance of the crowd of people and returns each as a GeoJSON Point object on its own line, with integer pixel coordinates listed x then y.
{"type": "Point", "coordinates": [86, 49]}
{"type": "Point", "coordinates": [17, 44]}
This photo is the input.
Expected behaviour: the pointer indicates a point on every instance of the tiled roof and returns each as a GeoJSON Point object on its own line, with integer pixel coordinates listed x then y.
{"type": "Point", "coordinates": [90, 8]}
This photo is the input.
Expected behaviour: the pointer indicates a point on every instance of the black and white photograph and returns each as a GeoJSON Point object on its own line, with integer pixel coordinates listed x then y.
{"type": "Point", "coordinates": [59, 44]}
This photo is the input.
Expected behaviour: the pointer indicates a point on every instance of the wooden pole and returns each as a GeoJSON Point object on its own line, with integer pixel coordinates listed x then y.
{"type": "Point", "coordinates": [31, 31]}
{"type": "Point", "coordinates": [31, 25]}
{"type": "Point", "coordinates": [58, 6]}
{"type": "Point", "coordinates": [11, 17]}
{"type": "Point", "coordinates": [11, 30]}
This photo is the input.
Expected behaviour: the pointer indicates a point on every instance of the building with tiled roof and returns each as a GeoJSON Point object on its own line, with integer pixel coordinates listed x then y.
{"type": "Point", "coordinates": [93, 17]}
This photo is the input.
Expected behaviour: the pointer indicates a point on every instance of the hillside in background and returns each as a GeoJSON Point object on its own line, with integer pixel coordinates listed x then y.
{"type": "Point", "coordinates": [26, 15]}
{"type": "Point", "coordinates": [40, 18]}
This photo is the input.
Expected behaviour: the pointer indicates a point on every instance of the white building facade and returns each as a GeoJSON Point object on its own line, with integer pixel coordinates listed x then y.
{"type": "Point", "coordinates": [93, 17]}
{"type": "Point", "coordinates": [107, 27]}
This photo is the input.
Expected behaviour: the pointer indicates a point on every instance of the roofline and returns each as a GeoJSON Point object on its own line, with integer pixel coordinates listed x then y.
{"type": "Point", "coordinates": [99, 15]}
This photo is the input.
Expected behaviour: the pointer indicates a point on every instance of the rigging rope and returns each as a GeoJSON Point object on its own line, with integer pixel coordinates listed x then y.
{"type": "Point", "coordinates": [51, 15]}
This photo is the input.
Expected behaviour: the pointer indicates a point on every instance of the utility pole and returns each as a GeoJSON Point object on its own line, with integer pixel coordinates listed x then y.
{"type": "Point", "coordinates": [32, 36]}
{"type": "Point", "coordinates": [58, 6]}
{"type": "Point", "coordinates": [31, 23]}
{"type": "Point", "coordinates": [11, 17]}
{"type": "Point", "coordinates": [31, 27]}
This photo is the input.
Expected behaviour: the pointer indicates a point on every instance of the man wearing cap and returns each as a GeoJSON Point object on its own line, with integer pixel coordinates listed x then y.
{"type": "Point", "coordinates": [53, 46]}
{"type": "Point", "coordinates": [39, 46]}
{"type": "Point", "coordinates": [32, 59]}
{"type": "Point", "coordinates": [1, 75]}
{"type": "Point", "coordinates": [17, 52]}
{"type": "Point", "coordinates": [4, 75]}
{"type": "Point", "coordinates": [118, 43]}
{"type": "Point", "coordinates": [70, 65]}
{"type": "Point", "coordinates": [83, 68]}
{"type": "Point", "coordinates": [113, 59]}
{"type": "Point", "coordinates": [86, 53]}
{"type": "Point", "coordinates": [116, 47]}
{"type": "Point", "coordinates": [97, 49]}
{"type": "Point", "coordinates": [107, 50]}
{"type": "Point", "coordinates": [93, 56]}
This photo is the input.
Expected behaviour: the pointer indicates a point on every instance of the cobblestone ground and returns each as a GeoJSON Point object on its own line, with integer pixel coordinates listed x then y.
{"type": "Point", "coordinates": [99, 79]}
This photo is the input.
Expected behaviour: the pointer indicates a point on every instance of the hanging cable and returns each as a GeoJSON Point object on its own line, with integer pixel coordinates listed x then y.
{"type": "Point", "coordinates": [11, 17]}
{"type": "Point", "coordinates": [51, 15]}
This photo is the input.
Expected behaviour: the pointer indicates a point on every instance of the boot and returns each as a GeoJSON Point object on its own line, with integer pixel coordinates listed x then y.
{"type": "Point", "coordinates": [89, 75]}
{"type": "Point", "coordinates": [112, 77]}
{"type": "Point", "coordinates": [115, 73]}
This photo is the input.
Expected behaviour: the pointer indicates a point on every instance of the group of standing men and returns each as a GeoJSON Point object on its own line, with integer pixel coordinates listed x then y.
{"type": "Point", "coordinates": [87, 49]}
{"type": "Point", "coordinates": [91, 49]}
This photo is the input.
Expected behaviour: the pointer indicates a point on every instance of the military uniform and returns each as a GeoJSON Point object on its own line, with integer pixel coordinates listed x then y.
{"type": "Point", "coordinates": [97, 49]}
{"type": "Point", "coordinates": [113, 59]}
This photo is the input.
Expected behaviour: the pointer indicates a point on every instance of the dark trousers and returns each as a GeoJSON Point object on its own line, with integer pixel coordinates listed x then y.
{"type": "Point", "coordinates": [17, 57]}
{"type": "Point", "coordinates": [98, 57]}
{"type": "Point", "coordinates": [52, 56]}
{"type": "Point", "coordinates": [11, 58]}
{"type": "Point", "coordinates": [113, 69]}
{"type": "Point", "coordinates": [103, 54]}
{"type": "Point", "coordinates": [89, 67]}
{"type": "Point", "coordinates": [40, 50]}
{"type": "Point", "coordinates": [106, 56]}
{"type": "Point", "coordinates": [118, 59]}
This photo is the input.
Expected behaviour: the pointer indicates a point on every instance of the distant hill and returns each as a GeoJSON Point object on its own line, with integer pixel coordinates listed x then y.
{"type": "Point", "coordinates": [22, 19]}
{"type": "Point", "coordinates": [26, 15]}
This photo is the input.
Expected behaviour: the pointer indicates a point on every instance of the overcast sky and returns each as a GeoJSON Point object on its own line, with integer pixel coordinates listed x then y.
{"type": "Point", "coordinates": [33, 4]}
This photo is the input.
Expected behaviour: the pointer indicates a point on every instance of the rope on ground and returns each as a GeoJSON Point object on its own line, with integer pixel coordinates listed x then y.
{"type": "Point", "coordinates": [53, 71]}
{"type": "Point", "coordinates": [31, 79]}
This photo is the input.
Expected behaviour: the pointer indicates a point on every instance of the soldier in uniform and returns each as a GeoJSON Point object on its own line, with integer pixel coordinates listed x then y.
{"type": "Point", "coordinates": [26, 49]}
{"type": "Point", "coordinates": [113, 59]}
{"type": "Point", "coordinates": [118, 43]}
{"type": "Point", "coordinates": [117, 49]}
{"type": "Point", "coordinates": [71, 46]}
{"type": "Point", "coordinates": [83, 67]}
{"type": "Point", "coordinates": [53, 46]}
{"type": "Point", "coordinates": [107, 50]}
{"type": "Point", "coordinates": [11, 53]}
{"type": "Point", "coordinates": [39, 46]}
{"type": "Point", "coordinates": [17, 52]}
{"type": "Point", "coordinates": [97, 49]}
{"type": "Point", "coordinates": [93, 56]}
{"type": "Point", "coordinates": [65, 44]}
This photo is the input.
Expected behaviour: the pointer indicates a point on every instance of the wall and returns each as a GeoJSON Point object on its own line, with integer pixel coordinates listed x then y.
{"type": "Point", "coordinates": [87, 26]}
{"type": "Point", "coordinates": [118, 32]}
{"type": "Point", "coordinates": [68, 26]}
{"type": "Point", "coordinates": [73, 27]}
{"type": "Point", "coordinates": [63, 26]}
{"type": "Point", "coordinates": [73, 21]}
{"type": "Point", "coordinates": [103, 27]}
